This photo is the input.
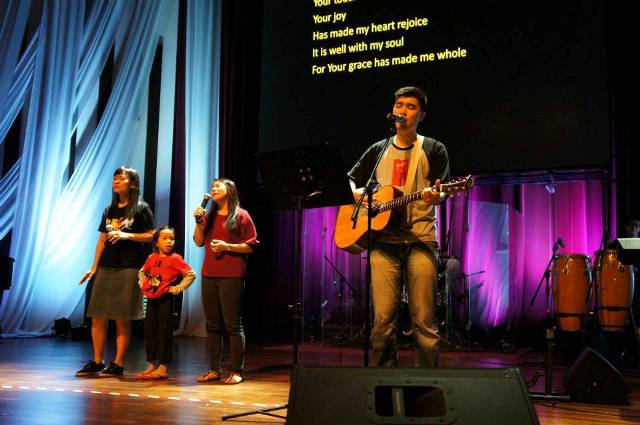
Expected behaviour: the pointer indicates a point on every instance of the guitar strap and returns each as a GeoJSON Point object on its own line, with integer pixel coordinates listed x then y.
{"type": "Point", "coordinates": [413, 165]}
{"type": "Point", "coordinates": [413, 168]}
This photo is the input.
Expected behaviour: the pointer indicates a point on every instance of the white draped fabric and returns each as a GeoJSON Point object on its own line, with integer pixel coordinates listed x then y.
{"type": "Point", "coordinates": [53, 217]}
{"type": "Point", "coordinates": [13, 19]}
{"type": "Point", "coordinates": [201, 109]}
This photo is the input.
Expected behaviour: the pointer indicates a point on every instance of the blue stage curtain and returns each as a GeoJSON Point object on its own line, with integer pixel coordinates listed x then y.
{"type": "Point", "coordinates": [55, 220]}
{"type": "Point", "coordinates": [97, 40]}
{"type": "Point", "coordinates": [20, 84]}
{"type": "Point", "coordinates": [8, 186]}
{"type": "Point", "coordinates": [13, 20]}
{"type": "Point", "coordinates": [202, 131]}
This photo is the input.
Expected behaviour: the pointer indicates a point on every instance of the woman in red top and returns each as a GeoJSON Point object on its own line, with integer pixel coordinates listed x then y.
{"type": "Point", "coordinates": [228, 235]}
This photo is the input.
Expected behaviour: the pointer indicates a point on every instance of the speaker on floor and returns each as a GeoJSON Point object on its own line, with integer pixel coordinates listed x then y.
{"type": "Point", "coordinates": [354, 396]}
{"type": "Point", "coordinates": [592, 379]}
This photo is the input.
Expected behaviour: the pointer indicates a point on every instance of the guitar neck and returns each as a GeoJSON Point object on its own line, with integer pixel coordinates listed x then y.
{"type": "Point", "coordinates": [460, 185]}
{"type": "Point", "coordinates": [399, 201]}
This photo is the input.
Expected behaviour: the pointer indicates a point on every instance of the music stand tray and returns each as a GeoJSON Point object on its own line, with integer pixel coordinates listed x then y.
{"type": "Point", "coordinates": [628, 250]}
{"type": "Point", "coordinates": [312, 176]}
{"type": "Point", "coordinates": [300, 178]}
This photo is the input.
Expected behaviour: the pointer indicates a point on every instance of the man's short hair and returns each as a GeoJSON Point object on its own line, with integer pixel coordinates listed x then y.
{"type": "Point", "coordinates": [416, 92]}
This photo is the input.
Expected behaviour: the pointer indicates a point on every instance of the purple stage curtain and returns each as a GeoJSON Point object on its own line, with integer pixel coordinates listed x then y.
{"type": "Point", "coordinates": [506, 232]}
{"type": "Point", "coordinates": [574, 213]}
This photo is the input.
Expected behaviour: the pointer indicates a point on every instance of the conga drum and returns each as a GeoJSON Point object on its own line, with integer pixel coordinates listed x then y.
{"type": "Point", "coordinates": [615, 291]}
{"type": "Point", "coordinates": [571, 279]}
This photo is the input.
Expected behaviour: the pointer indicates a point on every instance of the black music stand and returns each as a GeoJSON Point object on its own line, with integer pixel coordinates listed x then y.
{"type": "Point", "coordinates": [628, 250]}
{"type": "Point", "coordinates": [301, 178]}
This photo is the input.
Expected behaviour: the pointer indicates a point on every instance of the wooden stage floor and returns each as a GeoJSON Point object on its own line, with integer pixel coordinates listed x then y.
{"type": "Point", "coordinates": [37, 385]}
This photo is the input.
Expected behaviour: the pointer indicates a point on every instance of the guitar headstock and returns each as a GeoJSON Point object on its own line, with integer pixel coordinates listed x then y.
{"type": "Point", "coordinates": [460, 185]}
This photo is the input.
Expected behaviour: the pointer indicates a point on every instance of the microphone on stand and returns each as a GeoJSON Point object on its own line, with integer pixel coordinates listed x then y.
{"type": "Point", "coordinates": [395, 118]}
{"type": "Point", "coordinates": [559, 244]}
{"type": "Point", "coordinates": [203, 205]}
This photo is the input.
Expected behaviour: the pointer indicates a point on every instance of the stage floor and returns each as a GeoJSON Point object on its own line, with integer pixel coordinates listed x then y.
{"type": "Point", "coordinates": [37, 384]}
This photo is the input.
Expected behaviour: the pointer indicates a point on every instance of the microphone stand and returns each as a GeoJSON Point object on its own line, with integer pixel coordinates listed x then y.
{"type": "Point", "coordinates": [368, 193]}
{"type": "Point", "coordinates": [595, 282]}
{"type": "Point", "coordinates": [469, 324]}
{"type": "Point", "coordinates": [347, 322]}
{"type": "Point", "coordinates": [549, 334]}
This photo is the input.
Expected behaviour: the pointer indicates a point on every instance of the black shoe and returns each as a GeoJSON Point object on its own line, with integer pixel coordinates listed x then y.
{"type": "Point", "coordinates": [112, 370]}
{"type": "Point", "coordinates": [90, 368]}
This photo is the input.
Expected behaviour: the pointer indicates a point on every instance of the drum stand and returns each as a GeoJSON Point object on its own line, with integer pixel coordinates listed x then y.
{"type": "Point", "coordinates": [548, 393]}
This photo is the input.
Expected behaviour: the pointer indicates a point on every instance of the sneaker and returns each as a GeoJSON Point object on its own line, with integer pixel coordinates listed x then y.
{"type": "Point", "coordinates": [112, 370]}
{"type": "Point", "coordinates": [90, 368]}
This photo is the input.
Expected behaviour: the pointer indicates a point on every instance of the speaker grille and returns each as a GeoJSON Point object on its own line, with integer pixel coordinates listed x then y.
{"type": "Point", "coordinates": [401, 396]}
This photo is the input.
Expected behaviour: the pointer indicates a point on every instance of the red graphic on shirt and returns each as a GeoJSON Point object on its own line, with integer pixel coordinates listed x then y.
{"type": "Point", "coordinates": [400, 169]}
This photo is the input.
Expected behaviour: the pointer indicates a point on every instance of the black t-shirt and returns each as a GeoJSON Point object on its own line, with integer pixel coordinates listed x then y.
{"type": "Point", "coordinates": [126, 254]}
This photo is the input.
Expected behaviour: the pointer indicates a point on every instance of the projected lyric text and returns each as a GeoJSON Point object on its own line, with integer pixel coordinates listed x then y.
{"type": "Point", "coordinates": [340, 47]}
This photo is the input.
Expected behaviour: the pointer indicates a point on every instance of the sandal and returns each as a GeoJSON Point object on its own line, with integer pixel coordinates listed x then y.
{"type": "Point", "coordinates": [211, 375]}
{"type": "Point", "coordinates": [153, 376]}
{"type": "Point", "coordinates": [143, 375]}
{"type": "Point", "coordinates": [234, 378]}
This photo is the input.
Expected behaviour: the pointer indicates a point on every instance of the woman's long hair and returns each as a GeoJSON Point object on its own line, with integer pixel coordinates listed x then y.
{"type": "Point", "coordinates": [134, 191]}
{"type": "Point", "coordinates": [233, 203]}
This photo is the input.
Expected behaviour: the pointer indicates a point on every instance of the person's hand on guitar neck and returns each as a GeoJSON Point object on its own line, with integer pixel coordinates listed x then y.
{"type": "Point", "coordinates": [434, 194]}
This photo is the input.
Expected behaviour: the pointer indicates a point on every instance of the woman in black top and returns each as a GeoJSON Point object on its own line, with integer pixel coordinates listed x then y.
{"type": "Point", "coordinates": [126, 225]}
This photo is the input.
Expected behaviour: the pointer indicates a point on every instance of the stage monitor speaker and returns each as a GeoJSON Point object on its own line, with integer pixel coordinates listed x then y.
{"type": "Point", "coordinates": [358, 396]}
{"type": "Point", "coordinates": [628, 250]}
{"type": "Point", "coordinates": [592, 379]}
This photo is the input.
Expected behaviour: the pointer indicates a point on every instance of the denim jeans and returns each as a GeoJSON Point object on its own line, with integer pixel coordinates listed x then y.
{"type": "Point", "coordinates": [392, 266]}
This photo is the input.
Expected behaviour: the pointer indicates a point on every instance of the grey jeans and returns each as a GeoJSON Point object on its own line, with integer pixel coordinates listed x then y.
{"type": "Point", "coordinates": [392, 266]}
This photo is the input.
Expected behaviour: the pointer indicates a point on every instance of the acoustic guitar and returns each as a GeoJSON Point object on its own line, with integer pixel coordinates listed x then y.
{"type": "Point", "coordinates": [385, 201]}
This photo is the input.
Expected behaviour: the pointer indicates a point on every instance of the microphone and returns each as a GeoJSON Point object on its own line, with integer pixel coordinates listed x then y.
{"type": "Point", "coordinates": [559, 244]}
{"type": "Point", "coordinates": [205, 200]}
{"type": "Point", "coordinates": [203, 204]}
{"type": "Point", "coordinates": [395, 118]}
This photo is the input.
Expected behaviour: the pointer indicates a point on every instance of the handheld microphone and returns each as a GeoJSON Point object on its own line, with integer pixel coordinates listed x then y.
{"type": "Point", "coordinates": [395, 118]}
{"type": "Point", "coordinates": [205, 200]}
{"type": "Point", "coordinates": [203, 204]}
